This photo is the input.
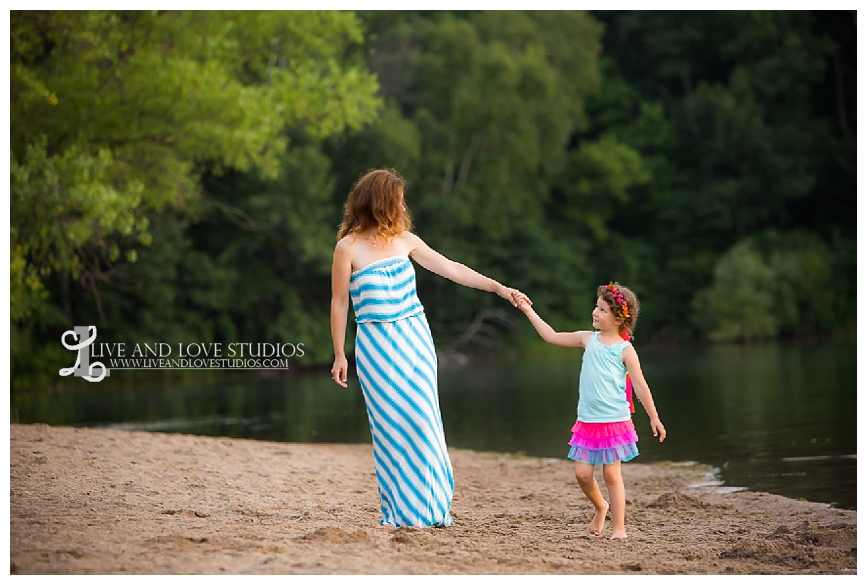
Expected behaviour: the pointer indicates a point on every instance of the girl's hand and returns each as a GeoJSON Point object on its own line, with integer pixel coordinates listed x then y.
{"type": "Point", "coordinates": [657, 428]}
{"type": "Point", "coordinates": [339, 370]}
{"type": "Point", "coordinates": [515, 296]}
{"type": "Point", "coordinates": [524, 303]}
{"type": "Point", "coordinates": [510, 294]}
{"type": "Point", "coordinates": [520, 298]}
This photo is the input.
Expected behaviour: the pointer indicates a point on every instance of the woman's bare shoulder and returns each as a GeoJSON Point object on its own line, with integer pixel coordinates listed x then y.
{"type": "Point", "coordinates": [408, 241]}
{"type": "Point", "coordinates": [345, 248]}
{"type": "Point", "coordinates": [345, 243]}
{"type": "Point", "coordinates": [408, 236]}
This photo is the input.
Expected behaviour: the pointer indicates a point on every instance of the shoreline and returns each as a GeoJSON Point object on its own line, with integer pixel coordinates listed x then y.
{"type": "Point", "coordinates": [105, 501]}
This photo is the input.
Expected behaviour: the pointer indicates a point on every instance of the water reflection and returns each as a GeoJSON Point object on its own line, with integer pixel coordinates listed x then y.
{"type": "Point", "coordinates": [774, 417]}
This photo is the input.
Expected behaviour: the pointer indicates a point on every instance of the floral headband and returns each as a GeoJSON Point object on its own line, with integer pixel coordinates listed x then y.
{"type": "Point", "coordinates": [623, 311]}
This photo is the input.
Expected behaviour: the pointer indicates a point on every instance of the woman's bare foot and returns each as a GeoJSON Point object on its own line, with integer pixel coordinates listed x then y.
{"type": "Point", "coordinates": [618, 534]}
{"type": "Point", "coordinates": [598, 521]}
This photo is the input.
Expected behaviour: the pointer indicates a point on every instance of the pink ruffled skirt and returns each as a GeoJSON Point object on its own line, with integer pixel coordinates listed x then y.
{"type": "Point", "coordinates": [604, 443]}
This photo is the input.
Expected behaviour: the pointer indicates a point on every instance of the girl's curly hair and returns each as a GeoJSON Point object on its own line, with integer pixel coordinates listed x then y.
{"type": "Point", "coordinates": [624, 305]}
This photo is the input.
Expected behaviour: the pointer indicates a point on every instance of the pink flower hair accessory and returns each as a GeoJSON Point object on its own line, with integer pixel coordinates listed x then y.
{"type": "Point", "coordinates": [622, 309]}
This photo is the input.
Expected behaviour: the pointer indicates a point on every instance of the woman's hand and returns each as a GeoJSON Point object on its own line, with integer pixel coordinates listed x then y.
{"type": "Point", "coordinates": [513, 295]}
{"type": "Point", "coordinates": [339, 370]}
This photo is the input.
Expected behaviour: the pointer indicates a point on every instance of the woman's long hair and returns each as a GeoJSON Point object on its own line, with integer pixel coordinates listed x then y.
{"type": "Point", "coordinates": [376, 202]}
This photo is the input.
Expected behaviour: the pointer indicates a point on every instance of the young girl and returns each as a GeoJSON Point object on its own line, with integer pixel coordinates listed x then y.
{"type": "Point", "coordinates": [604, 432]}
{"type": "Point", "coordinates": [395, 356]}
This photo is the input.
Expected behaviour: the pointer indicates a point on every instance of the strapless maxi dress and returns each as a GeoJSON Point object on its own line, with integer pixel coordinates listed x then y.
{"type": "Point", "coordinates": [397, 367]}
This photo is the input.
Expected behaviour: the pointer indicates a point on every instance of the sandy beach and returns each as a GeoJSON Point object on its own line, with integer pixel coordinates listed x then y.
{"type": "Point", "coordinates": [96, 501]}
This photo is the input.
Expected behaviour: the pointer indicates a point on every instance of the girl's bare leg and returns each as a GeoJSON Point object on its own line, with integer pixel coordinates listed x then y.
{"type": "Point", "coordinates": [584, 475]}
{"type": "Point", "coordinates": [617, 494]}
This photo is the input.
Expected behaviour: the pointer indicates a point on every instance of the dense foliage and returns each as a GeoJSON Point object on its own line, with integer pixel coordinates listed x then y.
{"type": "Point", "coordinates": [179, 176]}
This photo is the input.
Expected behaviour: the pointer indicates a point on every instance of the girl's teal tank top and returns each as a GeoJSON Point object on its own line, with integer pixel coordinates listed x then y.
{"type": "Point", "coordinates": [602, 386]}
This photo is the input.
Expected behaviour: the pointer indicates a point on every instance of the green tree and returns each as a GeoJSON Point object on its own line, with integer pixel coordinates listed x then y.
{"type": "Point", "coordinates": [727, 110]}
{"type": "Point", "coordinates": [179, 176]}
{"type": "Point", "coordinates": [485, 105]}
{"type": "Point", "coordinates": [126, 109]}
{"type": "Point", "coordinates": [770, 284]}
{"type": "Point", "coordinates": [116, 117]}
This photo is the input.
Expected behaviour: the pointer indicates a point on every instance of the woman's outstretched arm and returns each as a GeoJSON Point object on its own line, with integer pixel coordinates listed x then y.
{"type": "Point", "coordinates": [341, 270]}
{"type": "Point", "coordinates": [432, 260]}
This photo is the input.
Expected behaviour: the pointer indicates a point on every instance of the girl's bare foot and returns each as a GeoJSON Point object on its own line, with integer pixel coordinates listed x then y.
{"type": "Point", "coordinates": [598, 520]}
{"type": "Point", "coordinates": [618, 534]}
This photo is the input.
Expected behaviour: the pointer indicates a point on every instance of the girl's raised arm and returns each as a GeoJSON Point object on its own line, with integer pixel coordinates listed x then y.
{"type": "Point", "coordinates": [341, 270]}
{"type": "Point", "coordinates": [432, 260]}
{"type": "Point", "coordinates": [546, 332]}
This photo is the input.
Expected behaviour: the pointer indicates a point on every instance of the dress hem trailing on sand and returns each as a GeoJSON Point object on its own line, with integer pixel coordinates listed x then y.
{"type": "Point", "coordinates": [397, 368]}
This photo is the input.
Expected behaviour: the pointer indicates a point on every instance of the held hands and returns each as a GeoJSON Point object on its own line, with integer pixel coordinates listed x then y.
{"type": "Point", "coordinates": [514, 296]}
{"type": "Point", "coordinates": [657, 428]}
{"type": "Point", "coordinates": [338, 371]}
{"type": "Point", "coordinates": [523, 302]}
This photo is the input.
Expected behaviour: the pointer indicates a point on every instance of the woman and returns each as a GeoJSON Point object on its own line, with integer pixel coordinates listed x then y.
{"type": "Point", "coordinates": [394, 351]}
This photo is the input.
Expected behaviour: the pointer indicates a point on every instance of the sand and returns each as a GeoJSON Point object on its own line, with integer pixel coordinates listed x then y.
{"type": "Point", "coordinates": [100, 501]}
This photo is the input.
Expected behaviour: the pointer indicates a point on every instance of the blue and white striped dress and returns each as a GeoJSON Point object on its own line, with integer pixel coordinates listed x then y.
{"type": "Point", "coordinates": [397, 367]}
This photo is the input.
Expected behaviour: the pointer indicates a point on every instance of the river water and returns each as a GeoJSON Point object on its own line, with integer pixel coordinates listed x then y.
{"type": "Point", "coordinates": [774, 417]}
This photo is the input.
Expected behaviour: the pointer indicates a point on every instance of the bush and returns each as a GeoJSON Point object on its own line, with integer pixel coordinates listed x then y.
{"type": "Point", "coordinates": [768, 285]}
